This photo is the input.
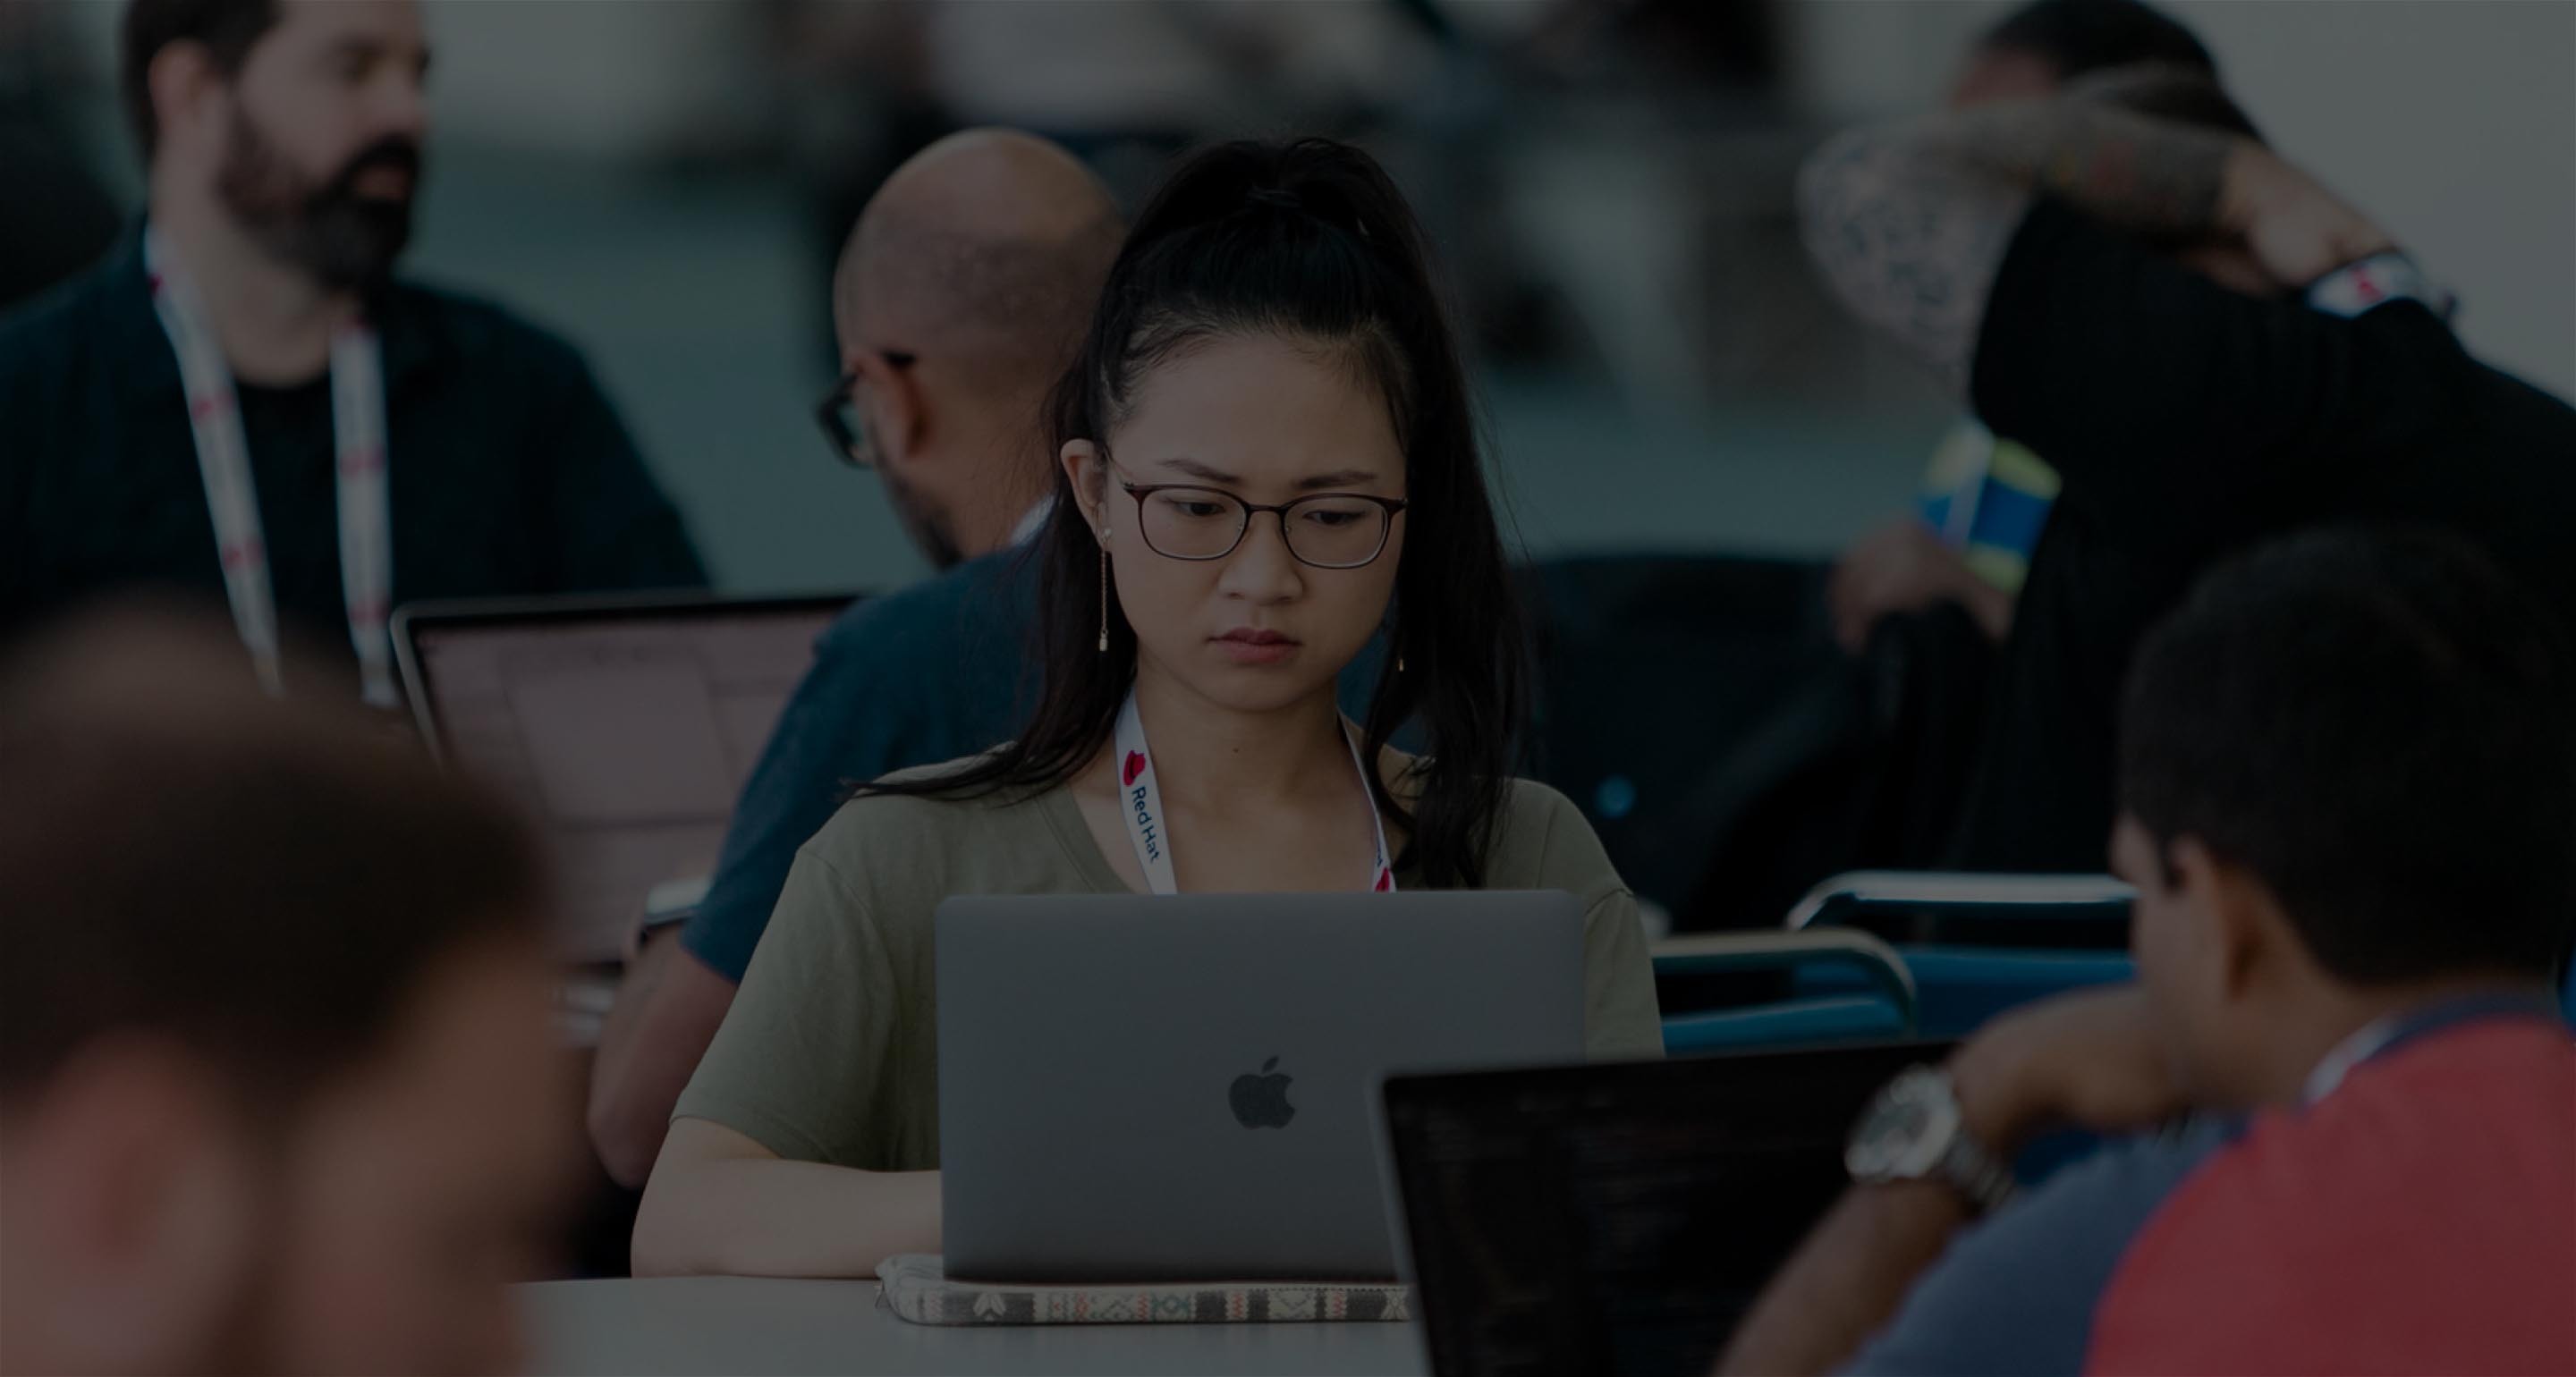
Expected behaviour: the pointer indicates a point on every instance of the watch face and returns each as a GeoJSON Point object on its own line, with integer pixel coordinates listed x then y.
{"type": "Point", "coordinates": [1906, 1130]}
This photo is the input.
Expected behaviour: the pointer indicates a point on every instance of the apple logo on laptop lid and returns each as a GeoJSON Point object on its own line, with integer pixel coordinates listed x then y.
{"type": "Point", "coordinates": [1260, 1100]}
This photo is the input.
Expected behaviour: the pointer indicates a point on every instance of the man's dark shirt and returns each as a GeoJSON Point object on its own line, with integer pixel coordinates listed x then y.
{"type": "Point", "coordinates": [2188, 422]}
{"type": "Point", "coordinates": [508, 472]}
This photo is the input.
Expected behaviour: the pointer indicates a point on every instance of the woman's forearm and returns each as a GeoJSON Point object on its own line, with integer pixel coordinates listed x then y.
{"type": "Point", "coordinates": [761, 1216]}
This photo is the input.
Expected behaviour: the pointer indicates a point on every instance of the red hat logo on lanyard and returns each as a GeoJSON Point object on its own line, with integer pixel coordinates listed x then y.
{"type": "Point", "coordinates": [1144, 807]}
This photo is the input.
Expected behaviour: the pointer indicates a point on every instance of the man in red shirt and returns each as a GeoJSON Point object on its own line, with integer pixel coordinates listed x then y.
{"type": "Point", "coordinates": [2348, 802]}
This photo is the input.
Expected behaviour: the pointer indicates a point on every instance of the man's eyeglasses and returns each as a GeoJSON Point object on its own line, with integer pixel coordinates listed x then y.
{"type": "Point", "coordinates": [1330, 530]}
{"type": "Point", "coordinates": [838, 414]}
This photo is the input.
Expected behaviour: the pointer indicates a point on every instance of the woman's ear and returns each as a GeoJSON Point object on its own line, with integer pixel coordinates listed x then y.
{"type": "Point", "coordinates": [1087, 475]}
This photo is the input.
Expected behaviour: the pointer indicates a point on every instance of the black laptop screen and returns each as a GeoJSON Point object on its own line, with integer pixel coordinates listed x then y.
{"type": "Point", "coordinates": [1618, 1218]}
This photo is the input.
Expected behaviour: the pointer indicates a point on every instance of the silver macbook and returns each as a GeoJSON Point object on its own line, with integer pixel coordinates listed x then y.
{"type": "Point", "coordinates": [1137, 1088]}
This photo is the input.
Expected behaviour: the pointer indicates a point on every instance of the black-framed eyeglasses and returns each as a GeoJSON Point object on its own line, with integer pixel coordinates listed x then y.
{"type": "Point", "coordinates": [1328, 530]}
{"type": "Point", "coordinates": [838, 414]}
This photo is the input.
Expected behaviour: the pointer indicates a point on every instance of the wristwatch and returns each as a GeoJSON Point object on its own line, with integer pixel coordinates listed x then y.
{"type": "Point", "coordinates": [1913, 1132]}
{"type": "Point", "coordinates": [2382, 277]}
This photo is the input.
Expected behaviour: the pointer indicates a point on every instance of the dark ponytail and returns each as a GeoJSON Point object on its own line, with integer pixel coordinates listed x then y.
{"type": "Point", "coordinates": [1312, 241]}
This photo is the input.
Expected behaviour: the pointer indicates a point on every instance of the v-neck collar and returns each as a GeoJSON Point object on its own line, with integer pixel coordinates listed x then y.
{"type": "Point", "coordinates": [1064, 815]}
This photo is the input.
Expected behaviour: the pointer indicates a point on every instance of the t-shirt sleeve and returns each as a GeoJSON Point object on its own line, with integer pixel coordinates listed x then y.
{"type": "Point", "coordinates": [613, 529]}
{"type": "Point", "coordinates": [1620, 1018]}
{"type": "Point", "coordinates": [806, 1056]}
{"type": "Point", "coordinates": [2164, 398]}
{"type": "Point", "coordinates": [2016, 1293]}
{"type": "Point", "coordinates": [838, 730]}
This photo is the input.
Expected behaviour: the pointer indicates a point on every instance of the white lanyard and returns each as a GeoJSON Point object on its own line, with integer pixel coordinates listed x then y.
{"type": "Point", "coordinates": [2380, 1035]}
{"type": "Point", "coordinates": [1143, 797]}
{"type": "Point", "coordinates": [223, 460]}
{"type": "Point", "coordinates": [2327, 1076]}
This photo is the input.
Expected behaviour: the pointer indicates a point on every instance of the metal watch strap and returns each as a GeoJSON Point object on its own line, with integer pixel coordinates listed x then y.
{"type": "Point", "coordinates": [1975, 1172]}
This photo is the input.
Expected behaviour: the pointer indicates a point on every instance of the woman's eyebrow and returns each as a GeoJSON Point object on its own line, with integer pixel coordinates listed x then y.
{"type": "Point", "coordinates": [1192, 468]}
{"type": "Point", "coordinates": [1338, 478]}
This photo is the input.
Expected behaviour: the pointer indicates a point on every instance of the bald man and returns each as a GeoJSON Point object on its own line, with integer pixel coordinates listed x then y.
{"type": "Point", "coordinates": [961, 297]}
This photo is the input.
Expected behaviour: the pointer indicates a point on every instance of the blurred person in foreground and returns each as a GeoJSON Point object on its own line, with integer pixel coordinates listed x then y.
{"type": "Point", "coordinates": [275, 1083]}
{"type": "Point", "coordinates": [1984, 499]}
{"type": "Point", "coordinates": [961, 297]}
{"type": "Point", "coordinates": [2210, 348]}
{"type": "Point", "coordinates": [2348, 770]}
{"type": "Point", "coordinates": [243, 397]}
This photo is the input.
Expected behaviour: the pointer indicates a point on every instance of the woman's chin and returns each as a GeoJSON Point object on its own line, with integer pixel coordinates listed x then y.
{"type": "Point", "coordinates": [1258, 687]}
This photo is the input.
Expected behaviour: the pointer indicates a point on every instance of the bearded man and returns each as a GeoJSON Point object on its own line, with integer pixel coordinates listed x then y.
{"type": "Point", "coordinates": [244, 398]}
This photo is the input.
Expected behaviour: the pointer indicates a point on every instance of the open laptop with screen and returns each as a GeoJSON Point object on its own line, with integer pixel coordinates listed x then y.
{"type": "Point", "coordinates": [1617, 1218]}
{"type": "Point", "coordinates": [626, 726]}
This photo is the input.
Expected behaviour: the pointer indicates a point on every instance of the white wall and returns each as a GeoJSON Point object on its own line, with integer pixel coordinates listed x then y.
{"type": "Point", "coordinates": [576, 77]}
{"type": "Point", "coordinates": [2451, 122]}
{"type": "Point", "coordinates": [607, 80]}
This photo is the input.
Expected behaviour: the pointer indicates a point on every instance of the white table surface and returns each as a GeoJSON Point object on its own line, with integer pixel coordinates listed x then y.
{"type": "Point", "coordinates": [745, 1325]}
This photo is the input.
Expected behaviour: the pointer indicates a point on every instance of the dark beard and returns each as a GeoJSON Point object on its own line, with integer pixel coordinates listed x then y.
{"type": "Point", "coordinates": [345, 240]}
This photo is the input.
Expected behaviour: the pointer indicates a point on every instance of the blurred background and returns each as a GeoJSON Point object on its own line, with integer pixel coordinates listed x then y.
{"type": "Point", "coordinates": [665, 182]}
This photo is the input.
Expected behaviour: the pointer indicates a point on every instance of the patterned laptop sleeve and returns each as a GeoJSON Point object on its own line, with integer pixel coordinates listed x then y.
{"type": "Point", "coordinates": [919, 1290]}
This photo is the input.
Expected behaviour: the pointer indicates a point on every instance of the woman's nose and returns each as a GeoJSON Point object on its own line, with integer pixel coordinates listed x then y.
{"type": "Point", "coordinates": [1261, 569]}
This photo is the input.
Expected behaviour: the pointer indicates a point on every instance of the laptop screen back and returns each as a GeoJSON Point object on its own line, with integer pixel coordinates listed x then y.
{"type": "Point", "coordinates": [626, 731]}
{"type": "Point", "coordinates": [1618, 1218]}
{"type": "Point", "coordinates": [1182, 1087]}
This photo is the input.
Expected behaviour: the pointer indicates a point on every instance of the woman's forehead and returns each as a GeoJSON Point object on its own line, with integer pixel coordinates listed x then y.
{"type": "Point", "coordinates": [1258, 413]}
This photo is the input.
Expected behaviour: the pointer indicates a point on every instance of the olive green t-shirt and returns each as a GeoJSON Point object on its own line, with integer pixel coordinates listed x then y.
{"type": "Point", "coordinates": [829, 1053]}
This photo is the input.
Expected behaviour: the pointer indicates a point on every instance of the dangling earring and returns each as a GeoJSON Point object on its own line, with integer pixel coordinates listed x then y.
{"type": "Point", "coordinates": [1104, 593]}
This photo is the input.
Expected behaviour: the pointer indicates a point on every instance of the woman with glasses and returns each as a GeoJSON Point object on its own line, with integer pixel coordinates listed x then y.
{"type": "Point", "coordinates": [1268, 460]}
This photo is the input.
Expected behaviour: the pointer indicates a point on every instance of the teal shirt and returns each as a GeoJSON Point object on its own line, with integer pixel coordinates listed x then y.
{"type": "Point", "coordinates": [509, 473]}
{"type": "Point", "coordinates": [936, 671]}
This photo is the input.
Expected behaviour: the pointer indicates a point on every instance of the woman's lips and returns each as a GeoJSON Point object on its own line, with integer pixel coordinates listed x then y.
{"type": "Point", "coordinates": [1247, 646]}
